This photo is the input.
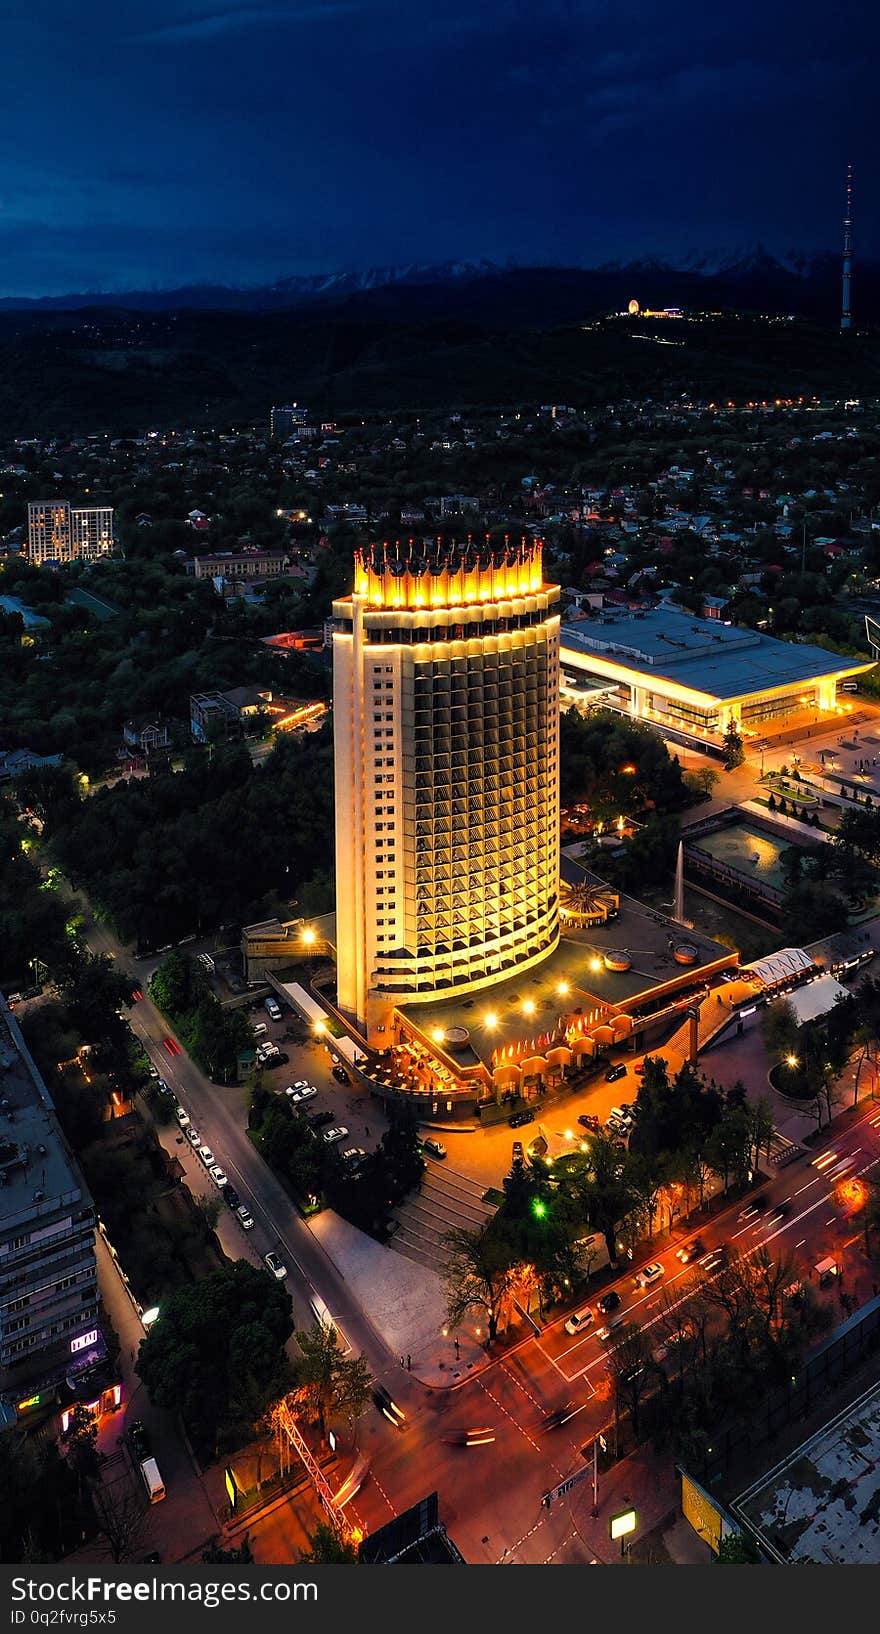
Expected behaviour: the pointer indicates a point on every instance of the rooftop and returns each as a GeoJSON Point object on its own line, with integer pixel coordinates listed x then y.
{"type": "Point", "coordinates": [647, 939]}
{"type": "Point", "coordinates": [37, 1171]}
{"type": "Point", "coordinates": [819, 1507]}
{"type": "Point", "coordinates": [718, 659]}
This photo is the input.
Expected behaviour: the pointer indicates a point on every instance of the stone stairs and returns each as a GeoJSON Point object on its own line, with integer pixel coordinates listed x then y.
{"type": "Point", "coordinates": [446, 1200]}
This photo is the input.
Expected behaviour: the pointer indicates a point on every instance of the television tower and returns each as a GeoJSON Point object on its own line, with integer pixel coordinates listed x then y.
{"type": "Point", "coordinates": [845, 314]}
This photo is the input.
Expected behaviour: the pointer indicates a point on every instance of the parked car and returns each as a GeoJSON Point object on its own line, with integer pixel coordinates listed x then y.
{"type": "Point", "coordinates": [614, 1073]}
{"type": "Point", "coordinates": [518, 1155]}
{"type": "Point", "coordinates": [649, 1274]}
{"type": "Point", "coordinates": [320, 1120]}
{"type": "Point", "coordinates": [218, 1176]}
{"type": "Point", "coordinates": [273, 1009]}
{"type": "Point", "coordinates": [341, 1075]}
{"type": "Point", "coordinates": [297, 1096]}
{"type": "Point", "coordinates": [588, 1120]}
{"type": "Point", "coordinates": [230, 1196]}
{"type": "Point", "coordinates": [354, 1156]}
{"type": "Point", "coordinates": [331, 1136]}
{"type": "Point", "coordinates": [182, 1117]}
{"type": "Point", "coordinates": [138, 1438]}
{"type": "Point", "coordinates": [276, 1266]}
{"type": "Point", "coordinates": [207, 1156]}
{"type": "Point", "coordinates": [517, 1119]}
{"type": "Point", "coordinates": [244, 1217]}
{"type": "Point", "coordinates": [434, 1147]}
{"type": "Point", "coordinates": [193, 1136]}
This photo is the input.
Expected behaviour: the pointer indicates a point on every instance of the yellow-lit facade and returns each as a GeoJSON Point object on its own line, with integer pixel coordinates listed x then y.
{"type": "Point", "coordinates": [446, 733]}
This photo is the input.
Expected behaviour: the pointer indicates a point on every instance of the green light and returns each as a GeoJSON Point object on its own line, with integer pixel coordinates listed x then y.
{"type": "Point", "coordinates": [539, 1209]}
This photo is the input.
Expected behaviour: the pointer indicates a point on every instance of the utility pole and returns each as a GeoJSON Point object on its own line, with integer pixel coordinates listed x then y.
{"type": "Point", "coordinates": [598, 1441]}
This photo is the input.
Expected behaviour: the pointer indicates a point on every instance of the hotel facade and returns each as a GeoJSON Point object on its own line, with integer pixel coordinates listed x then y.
{"type": "Point", "coordinates": [446, 734]}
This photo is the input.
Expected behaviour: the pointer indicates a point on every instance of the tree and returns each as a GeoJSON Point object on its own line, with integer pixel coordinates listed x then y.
{"type": "Point", "coordinates": [477, 1275]}
{"type": "Point", "coordinates": [737, 1549]}
{"type": "Point", "coordinates": [243, 1555]}
{"type": "Point", "coordinates": [629, 1369]}
{"type": "Point", "coordinates": [81, 1442]}
{"type": "Point", "coordinates": [328, 1547]}
{"type": "Point", "coordinates": [216, 1352]}
{"type": "Point", "coordinates": [779, 1025]}
{"type": "Point", "coordinates": [121, 1517]}
{"type": "Point", "coordinates": [811, 910]}
{"type": "Point", "coordinates": [734, 749]}
{"type": "Point", "coordinates": [333, 1384]}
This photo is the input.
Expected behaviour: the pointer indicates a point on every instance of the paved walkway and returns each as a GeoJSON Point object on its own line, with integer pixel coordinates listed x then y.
{"type": "Point", "coordinates": [405, 1302]}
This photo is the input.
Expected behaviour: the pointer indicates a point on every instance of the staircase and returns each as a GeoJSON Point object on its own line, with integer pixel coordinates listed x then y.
{"type": "Point", "coordinates": [446, 1200]}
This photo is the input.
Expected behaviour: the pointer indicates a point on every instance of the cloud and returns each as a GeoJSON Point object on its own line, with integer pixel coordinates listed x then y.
{"type": "Point", "coordinates": [220, 23]}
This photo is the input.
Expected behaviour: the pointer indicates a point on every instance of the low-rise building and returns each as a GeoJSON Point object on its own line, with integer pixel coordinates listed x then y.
{"type": "Point", "coordinates": [241, 564]}
{"type": "Point", "coordinates": [224, 715]}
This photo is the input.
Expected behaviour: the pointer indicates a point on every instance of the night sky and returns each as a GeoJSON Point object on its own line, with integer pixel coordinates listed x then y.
{"type": "Point", "coordinates": [156, 145]}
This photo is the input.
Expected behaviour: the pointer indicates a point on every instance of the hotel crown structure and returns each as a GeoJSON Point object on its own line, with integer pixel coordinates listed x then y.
{"type": "Point", "coordinates": [446, 733]}
{"type": "Point", "coordinates": [698, 676]}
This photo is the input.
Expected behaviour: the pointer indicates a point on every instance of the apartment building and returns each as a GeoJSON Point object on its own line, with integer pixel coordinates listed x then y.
{"type": "Point", "coordinates": [59, 532]}
{"type": "Point", "coordinates": [50, 1336]}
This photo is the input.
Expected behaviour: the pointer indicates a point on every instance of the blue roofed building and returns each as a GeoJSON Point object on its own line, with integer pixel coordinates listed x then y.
{"type": "Point", "coordinates": [697, 676]}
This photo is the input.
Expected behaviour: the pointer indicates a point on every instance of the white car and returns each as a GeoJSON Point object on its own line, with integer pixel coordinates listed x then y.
{"type": "Point", "coordinates": [219, 1178]}
{"type": "Point", "coordinates": [354, 1155]}
{"type": "Point", "coordinates": [244, 1217]}
{"type": "Point", "coordinates": [649, 1274]}
{"type": "Point", "coordinates": [192, 1134]}
{"type": "Point", "coordinates": [331, 1136]}
{"type": "Point", "coordinates": [276, 1266]}
{"type": "Point", "coordinates": [182, 1117]}
{"type": "Point", "coordinates": [207, 1156]}
{"type": "Point", "coordinates": [296, 1096]}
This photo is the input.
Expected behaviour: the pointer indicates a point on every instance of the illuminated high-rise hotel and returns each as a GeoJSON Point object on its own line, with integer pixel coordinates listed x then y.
{"type": "Point", "coordinates": [446, 732]}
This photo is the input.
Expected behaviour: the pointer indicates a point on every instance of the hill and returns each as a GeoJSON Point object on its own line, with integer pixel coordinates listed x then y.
{"type": "Point", "coordinates": [68, 372]}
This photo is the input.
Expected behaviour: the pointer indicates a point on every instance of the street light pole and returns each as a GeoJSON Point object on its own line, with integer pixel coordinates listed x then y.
{"type": "Point", "coordinates": [595, 1476]}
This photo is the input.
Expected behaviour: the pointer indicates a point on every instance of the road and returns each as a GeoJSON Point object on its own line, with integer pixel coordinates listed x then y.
{"type": "Point", "coordinates": [491, 1494]}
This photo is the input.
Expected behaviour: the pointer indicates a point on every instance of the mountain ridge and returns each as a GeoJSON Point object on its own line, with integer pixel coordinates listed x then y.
{"type": "Point", "coordinates": [747, 273]}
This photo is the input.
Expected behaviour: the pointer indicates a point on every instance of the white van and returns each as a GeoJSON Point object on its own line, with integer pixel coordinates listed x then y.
{"type": "Point", "coordinates": [579, 1321]}
{"type": "Point", "coordinates": [152, 1480]}
{"type": "Point", "coordinates": [260, 1030]}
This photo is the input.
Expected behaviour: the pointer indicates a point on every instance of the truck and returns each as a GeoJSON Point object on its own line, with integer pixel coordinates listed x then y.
{"type": "Point", "coordinates": [152, 1480]}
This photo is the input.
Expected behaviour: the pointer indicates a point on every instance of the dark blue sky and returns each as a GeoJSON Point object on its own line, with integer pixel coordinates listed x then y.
{"type": "Point", "coordinates": [188, 140]}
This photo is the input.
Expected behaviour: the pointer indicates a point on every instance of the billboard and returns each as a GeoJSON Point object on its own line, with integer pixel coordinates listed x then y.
{"type": "Point", "coordinates": [704, 1514]}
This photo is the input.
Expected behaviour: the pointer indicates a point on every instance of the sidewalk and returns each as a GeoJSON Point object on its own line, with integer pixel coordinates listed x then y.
{"type": "Point", "coordinates": [405, 1302]}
